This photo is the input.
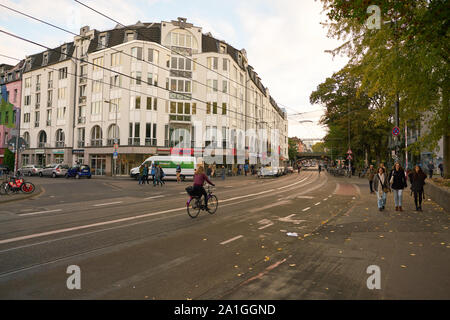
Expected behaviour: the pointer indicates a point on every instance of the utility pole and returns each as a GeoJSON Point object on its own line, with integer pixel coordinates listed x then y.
{"type": "Point", "coordinates": [116, 141]}
{"type": "Point", "coordinates": [349, 144]}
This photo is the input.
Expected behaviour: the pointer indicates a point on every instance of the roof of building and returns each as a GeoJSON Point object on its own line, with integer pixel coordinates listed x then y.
{"type": "Point", "coordinates": [35, 61]}
{"type": "Point", "coordinates": [14, 72]}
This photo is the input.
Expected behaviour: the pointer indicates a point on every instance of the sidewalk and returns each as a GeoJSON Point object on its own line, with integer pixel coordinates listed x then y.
{"type": "Point", "coordinates": [412, 250]}
{"type": "Point", "coordinates": [21, 196]}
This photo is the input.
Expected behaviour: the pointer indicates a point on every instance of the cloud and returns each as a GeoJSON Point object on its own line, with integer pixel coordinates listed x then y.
{"type": "Point", "coordinates": [286, 46]}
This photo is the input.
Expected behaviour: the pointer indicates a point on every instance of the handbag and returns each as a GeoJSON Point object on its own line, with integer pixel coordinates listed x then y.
{"type": "Point", "coordinates": [386, 189]}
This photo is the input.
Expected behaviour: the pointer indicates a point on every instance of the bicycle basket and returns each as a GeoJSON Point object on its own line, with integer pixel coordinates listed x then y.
{"type": "Point", "coordinates": [190, 190]}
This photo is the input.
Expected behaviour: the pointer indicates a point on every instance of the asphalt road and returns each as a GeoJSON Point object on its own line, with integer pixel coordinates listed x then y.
{"type": "Point", "coordinates": [265, 241]}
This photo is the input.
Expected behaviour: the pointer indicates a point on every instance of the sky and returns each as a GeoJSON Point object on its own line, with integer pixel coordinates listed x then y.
{"type": "Point", "coordinates": [284, 39]}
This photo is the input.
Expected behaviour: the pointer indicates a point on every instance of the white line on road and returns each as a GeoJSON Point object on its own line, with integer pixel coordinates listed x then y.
{"type": "Point", "coordinates": [290, 185]}
{"type": "Point", "coordinates": [248, 195]}
{"type": "Point", "coordinates": [306, 209]}
{"type": "Point", "coordinates": [154, 197]}
{"type": "Point", "coordinates": [232, 239]}
{"type": "Point", "coordinates": [325, 199]}
{"type": "Point", "coordinates": [317, 203]}
{"type": "Point", "coordinates": [33, 213]}
{"type": "Point", "coordinates": [305, 197]}
{"type": "Point", "coordinates": [266, 226]}
{"type": "Point", "coordinates": [107, 204]}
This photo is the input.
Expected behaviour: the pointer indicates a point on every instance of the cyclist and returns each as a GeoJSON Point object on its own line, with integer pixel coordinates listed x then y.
{"type": "Point", "coordinates": [199, 179]}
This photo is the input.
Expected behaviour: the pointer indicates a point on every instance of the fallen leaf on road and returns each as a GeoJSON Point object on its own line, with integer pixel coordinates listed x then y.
{"type": "Point", "coordinates": [279, 249]}
{"type": "Point", "coordinates": [381, 236]}
{"type": "Point", "coordinates": [292, 265]}
{"type": "Point", "coordinates": [340, 251]}
{"type": "Point", "coordinates": [262, 247]}
{"type": "Point", "coordinates": [412, 254]}
{"type": "Point", "coordinates": [205, 239]}
{"type": "Point", "coordinates": [403, 266]}
{"type": "Point", "coordinates": [382, 258]}
{"type": "Point", "coordinates": [442, 243]}
{"type": "Point", "coordinates": [411, 243]}
{"type": "Point", "coordinates": [239, 274]}
{"type": "Point", "coordinates": [266, 258]}
{"type": "Point", "coordinates": [236, 266]}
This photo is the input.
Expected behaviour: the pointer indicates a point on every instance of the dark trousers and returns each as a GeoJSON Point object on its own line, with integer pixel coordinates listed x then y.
{"type": "Point", "coordinates": [200, 191]}
{"type": "Point", "coordinates": [145, 179]}
{"type": "Point", "coordinates": [430, 173]}
{"type": "Point", "coordinates": [418, 195]}
{"type": "Point", "coordinates": [371, 185]}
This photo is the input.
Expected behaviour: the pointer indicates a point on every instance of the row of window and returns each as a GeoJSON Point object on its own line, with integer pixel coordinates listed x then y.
{"type": "Point", "coordinates": [60, 115]}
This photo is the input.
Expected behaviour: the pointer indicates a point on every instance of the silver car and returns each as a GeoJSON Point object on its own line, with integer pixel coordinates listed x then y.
{"type": "Point", "coordinates": [54, 170]}
{"type": "Point", "coordinates": [30, 170]}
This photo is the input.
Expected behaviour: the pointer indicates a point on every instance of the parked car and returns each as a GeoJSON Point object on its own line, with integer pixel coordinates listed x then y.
{"type": "Point", "coordinates": [79, 171]}
{"type": "Point", "coordinates": [54, 170]}
{"type": "Point", "coordinates": [268, 171]}
{"type": "Point", "coordinates": [30, 170]}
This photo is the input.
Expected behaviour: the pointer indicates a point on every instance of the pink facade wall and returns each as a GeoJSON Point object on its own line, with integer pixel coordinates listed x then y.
{"type": "Point", "coordinates": [14, 99]}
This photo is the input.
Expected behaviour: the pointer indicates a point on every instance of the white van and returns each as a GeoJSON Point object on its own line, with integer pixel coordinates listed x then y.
{"type": "Point", "coordinates": [169, 165]}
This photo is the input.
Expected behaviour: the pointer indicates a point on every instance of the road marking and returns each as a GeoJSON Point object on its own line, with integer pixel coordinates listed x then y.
{"type": "Point", "coordinates": [232, 239]}
{"type": "Point", "coordinates": [317, 203]}
{"type": "Point", "coordinates": [249, 195]}
{"type": "Point", "coordinates": [33, 213]}
{"type": "Point", "coordinates": [183, 192]}
{"type": "Point", "coordinates": [107, 204]}
{"type": "Point", "coordinates": [290, 185]}
{"type": "Point", "coordinates": [306, 209]}
{"type": "Point", "coordinates": [154, 197]}
{"type": "Point", "coordinates": [305, 197]}
{"type": "Point", "coordinates": [289, 219]}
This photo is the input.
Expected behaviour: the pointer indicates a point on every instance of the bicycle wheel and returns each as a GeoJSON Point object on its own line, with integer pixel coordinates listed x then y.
{"type": "Point", "coordinates": [3, 188]}
{"type": "Point", "coordinates": [213, 204]}
{"type": "Point", "coordinates": [27, 187]}
{"type": "Point", "coordinates": [193, 208]}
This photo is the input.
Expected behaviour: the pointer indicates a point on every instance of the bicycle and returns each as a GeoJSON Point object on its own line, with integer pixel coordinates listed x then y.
{"type": "Point", "coordinates": [194, 204]}
{"type": "Point", "coordinates": [16, 184]}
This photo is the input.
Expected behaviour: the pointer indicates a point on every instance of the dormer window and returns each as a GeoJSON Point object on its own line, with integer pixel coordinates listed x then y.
{"type": "Point", "coordinates": [130, 36]}
{"type": "Point", "coordinates": [63, 52]}
{"type": "Point", "coordinates": [45, 59]}
{"type": "Point", "coordinates": [223, 48]}
{"type": "Point", "coordinates": [239, 59]}
{"type": "Point", "coordinates": [102, 41]}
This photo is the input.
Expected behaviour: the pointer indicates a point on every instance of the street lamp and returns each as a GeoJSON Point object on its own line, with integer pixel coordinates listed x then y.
{"type": "Point", "coordinates": [115, 133]}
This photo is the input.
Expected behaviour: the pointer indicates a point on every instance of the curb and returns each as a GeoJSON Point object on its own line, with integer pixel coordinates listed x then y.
{"type": "Point", "coordinates": [40, 190]}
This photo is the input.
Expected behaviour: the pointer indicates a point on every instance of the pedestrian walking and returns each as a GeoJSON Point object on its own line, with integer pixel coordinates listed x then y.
{"type": "Point", "coordinates": [430, 169]}
{"type": "Point", "coordinates": [178, 171]}
{"type": "Point", "coordinates": [209, 171]}
{"type": "Point", "coordinates": [162, 175]}
{"type": "Point", "coordinates": [381, 187]}
{"type": "Point", "coordinates": [398, 183]}
{"type": "Point", "coordinates": [157, 180]}
{"type": "Point", "coordinates": [223, 172]}
{"type": "Point", "coordinates": [141, 175]}
{"type": "Point", "coordinates": [252, 168]}
{"type": "Point", "coordinates": [145, 174]}
{"type": "Point", "coordinates": [441, 169]}
{"type": "Point", "coordinates": [153, 172]}
{"type": "Point", "coordinates": [246, 169]}
{"type": "Point", "coordinates": [370, 175]}
{"type": "Point", "coordinates": [320, 168]}
{"type": "Point", "coordinates": [417, 179]}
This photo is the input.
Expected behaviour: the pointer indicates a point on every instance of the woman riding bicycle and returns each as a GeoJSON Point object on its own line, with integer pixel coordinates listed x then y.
{"type": "Point", "coordinates": [199, 179]}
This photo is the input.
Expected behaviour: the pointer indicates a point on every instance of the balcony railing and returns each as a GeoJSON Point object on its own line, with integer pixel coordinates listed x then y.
{"type": "Point", "coordinates": [81, 120]}
{"type": "Point", "coordinates": [42, 144]}
{"type": "Point", "coordinates": [96, 143]}
{"type": "Point", "coordinates": [49, 123]}
{"type": "Point", "coordinates": [110, 142]}
{"type": "Point", "coordinates": [83, 79]}
{"type": "Point", "coordinates": [82, 99]}
{"type": "Point", "coordinates": [134, 141]}
{"type": "Point", "coordinates": [59, 144]}
{"type": "Point", "coordinates": [176, 117]}
{"type": "Point", "coordinates": [49, 104]}
{"type": "Point", "coordinates": [36, 124]}
{"type": "Point", "coordinates": [150, 142]}
{"type": "Point", "coordinates": [80, 144]}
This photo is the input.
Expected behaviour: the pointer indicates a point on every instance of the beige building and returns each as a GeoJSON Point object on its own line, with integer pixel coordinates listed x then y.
{"type": "Point", "coordinates": [139, 84]}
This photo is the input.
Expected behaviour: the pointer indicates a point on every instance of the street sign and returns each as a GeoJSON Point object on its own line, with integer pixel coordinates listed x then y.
{"type": "Point", "coordinates": [396, 131]}
{"type": "Point", "coordinates": [115, 155]}
{"type": "Point", "coordinates": [12, 144]}
{"type": "Point", "coordinates": [349, 151]}
{"type": "Point", "coordinates": [349, 157]}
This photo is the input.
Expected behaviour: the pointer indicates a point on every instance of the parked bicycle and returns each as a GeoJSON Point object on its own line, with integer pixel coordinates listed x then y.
{"type": "Point", "coordinates": [16, 184]}
{"type": "Point", "coordinates": [195, 204]}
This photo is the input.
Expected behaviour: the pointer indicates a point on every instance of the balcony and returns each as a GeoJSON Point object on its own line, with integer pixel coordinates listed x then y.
{"type": "Point", "coordinates": [42, 145]}
{"type": "Point", "coordinates": [179, 118]}
{"type": "Point", "coordinates": [38, 87]}
{"type": "Point", "coordinates": [134, 141]}
{"type": "Point", "coordinates": [149, 142]}
{"type": "Point", "coordinates": [96, 143]}
{"type": "Point", "coordinates": [50, 84]}
{"type": "Point", "coordinates": [49, 123]}
{"type": "Point", "coordinates": [49, 104]}
{"type": "Point", "coordinates": [81, 120]}
{"type": "Point", "coordinates": [59, 144]}
{"type": "Point", "coordinates": [110, 142]}
{"type": "Point", "coordinates": [82, 100]}
{"type": "Point", "coordinates": [83, 79]}
{"type": "Point", "coordinates": [80, 144]}
{"type": "Point", "coordinates": [36, 124]}
{"type": "Point", "coordinates": [37, 105]}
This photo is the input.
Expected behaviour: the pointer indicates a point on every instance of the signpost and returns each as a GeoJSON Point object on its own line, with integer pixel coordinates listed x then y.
{"type": "Point", "coordinates": [395, 131]}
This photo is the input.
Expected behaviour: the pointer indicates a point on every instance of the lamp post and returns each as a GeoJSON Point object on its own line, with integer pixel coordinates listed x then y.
{"type": "Point", "coordinates": [115, 134]}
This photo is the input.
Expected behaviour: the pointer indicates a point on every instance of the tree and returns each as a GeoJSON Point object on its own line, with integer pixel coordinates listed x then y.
{"type": "Point", "coordinates": [9, 159]}
{"type": "Point", "coordinates": [292, 149]}
{"type": "Point", "coordinates": [406, 60]}
{"type": "Point", "coordinates": [318, 147]}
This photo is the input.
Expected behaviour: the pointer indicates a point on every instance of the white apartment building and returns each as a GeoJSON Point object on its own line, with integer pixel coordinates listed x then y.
{"type": "Point", "coordinates": [139, 84]}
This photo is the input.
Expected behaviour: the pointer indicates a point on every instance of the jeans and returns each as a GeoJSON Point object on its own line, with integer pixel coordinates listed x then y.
{"type": "Point", "coordinates": [398, 194]}
{"type": "Point", "coordinates": [381, 199]}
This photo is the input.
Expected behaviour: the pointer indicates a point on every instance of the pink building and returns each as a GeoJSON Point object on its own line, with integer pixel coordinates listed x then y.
{"type": "Point", "coordinates": [10, 91]}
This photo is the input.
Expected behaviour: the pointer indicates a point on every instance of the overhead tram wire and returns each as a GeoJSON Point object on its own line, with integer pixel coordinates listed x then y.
{"type": "Point", "coordinates": [119, 51]}
{"type": "Point", "coordinates": [120, 73]}
{"type": "Point", "coordinates": [168, 48]}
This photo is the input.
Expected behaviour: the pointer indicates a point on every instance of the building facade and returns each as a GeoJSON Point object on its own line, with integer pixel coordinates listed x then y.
{"type": "Point", "coordinates": [142, 90]}
{"type": "Point", "coordinates": [10, 102]}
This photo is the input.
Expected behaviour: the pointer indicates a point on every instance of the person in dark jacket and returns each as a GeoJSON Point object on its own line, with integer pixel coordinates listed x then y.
{"type": "Point", "coordinates": [199, 179]}
{"type": "Point", "coordinates": [430, 169]}
{"type": "Point", "coordinates": [417, 179]}
{"type": "Point", "coordinates": [398, 183]}
{"type": "Point", "coordinates": [370, 175]}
